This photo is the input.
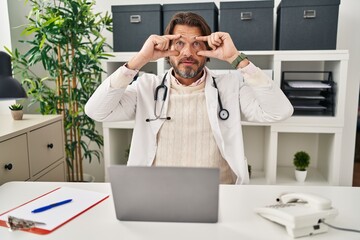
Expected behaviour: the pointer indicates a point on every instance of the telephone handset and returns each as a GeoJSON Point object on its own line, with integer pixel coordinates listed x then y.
{"type": "Point", "coordinates": [314, 201]}
{"type": "Point", "coordinates": [300, 213]}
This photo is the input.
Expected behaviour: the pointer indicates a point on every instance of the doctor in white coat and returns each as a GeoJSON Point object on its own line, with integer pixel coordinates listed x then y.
{"type": "Point", "coordinates": [190, 116]}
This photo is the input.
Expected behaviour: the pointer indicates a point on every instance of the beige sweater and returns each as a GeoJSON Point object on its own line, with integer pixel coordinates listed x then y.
{"type": "Point", "coordinates": [187, 140]}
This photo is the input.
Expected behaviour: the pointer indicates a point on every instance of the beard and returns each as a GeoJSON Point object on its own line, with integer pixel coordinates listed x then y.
{"type": "Point", "coordinates": [188, 71]}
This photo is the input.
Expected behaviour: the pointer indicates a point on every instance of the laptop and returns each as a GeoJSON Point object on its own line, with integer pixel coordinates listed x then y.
{"type": "Point", "coordinates": [165, 194]}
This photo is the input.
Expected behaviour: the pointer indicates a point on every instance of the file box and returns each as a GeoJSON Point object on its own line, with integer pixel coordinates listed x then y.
{"type": "Point", "coordinates": [133, 24]}
{"type": "Point", "coordinates": [208, 10]}
{"type": "Point", "coordinates": [307, 24]}
{"type": "Point", "coordinates": [250, 23]}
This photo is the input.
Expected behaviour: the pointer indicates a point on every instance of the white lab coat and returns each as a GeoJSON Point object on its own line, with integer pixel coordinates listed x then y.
{"type": "Point", "coordinates": [245, 100]}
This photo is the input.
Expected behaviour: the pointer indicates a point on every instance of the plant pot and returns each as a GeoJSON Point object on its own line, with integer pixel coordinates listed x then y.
{"type": "Point", "coordinates": [88, 178]}
{"type": "Point", "coordinates": [300, 175]}
{"type": "Point", "coordinates": [17, 114]}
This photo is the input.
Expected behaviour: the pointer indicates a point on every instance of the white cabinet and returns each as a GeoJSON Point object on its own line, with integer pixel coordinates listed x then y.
{"type": "Point", "coordinates": [13, 152]}
{"type": "Point", "coordinates": [269, 147]}
{"type": "Point", "coordinates": [32, 149]}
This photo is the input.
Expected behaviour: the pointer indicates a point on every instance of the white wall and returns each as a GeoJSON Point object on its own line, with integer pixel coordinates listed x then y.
{"type": "Point", "coordinates": [348, 38]}
{"type": "Point", "coordinates": [5, 40]}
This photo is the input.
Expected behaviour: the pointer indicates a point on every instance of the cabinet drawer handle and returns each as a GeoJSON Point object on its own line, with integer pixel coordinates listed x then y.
{"type": "Point", "coordinates": [50, 145]}
{"type": "Point", "coordinates": [8, 166]}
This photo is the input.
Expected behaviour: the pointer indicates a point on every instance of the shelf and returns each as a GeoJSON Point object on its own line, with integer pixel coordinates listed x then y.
{"type": "Point", "coordinates": [258, 178]}
{"type": "Point", "coordinates": [286, 176]}
{"type": "Point", "coordinates": [120, 125]}
{"type": "Point", "coordinates": [290, 125]}
{"type": "Point", "coordinates": [269, 147]}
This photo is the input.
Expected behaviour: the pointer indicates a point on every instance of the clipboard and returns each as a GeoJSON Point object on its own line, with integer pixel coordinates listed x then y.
{"type": "Point", "coordinates": [82, 200]}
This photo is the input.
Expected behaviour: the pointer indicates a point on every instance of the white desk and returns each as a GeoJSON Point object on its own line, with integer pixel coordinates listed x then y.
{"type": "Point", "coordinates": [236, 217]}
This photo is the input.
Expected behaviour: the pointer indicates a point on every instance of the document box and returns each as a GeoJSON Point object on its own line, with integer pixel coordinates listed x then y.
{"type": "Point", "coordinates": [133, 24]}
{"type": "Point", "coordinates": [208, 10]}
{"type": "Point", "coordinates": [307, 24]}
{"type": "Point", "coordinates": [250, 23]}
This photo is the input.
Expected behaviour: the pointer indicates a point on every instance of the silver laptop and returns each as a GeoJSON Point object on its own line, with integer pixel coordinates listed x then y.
{"type": "Point", "coordinates": [165, 194]}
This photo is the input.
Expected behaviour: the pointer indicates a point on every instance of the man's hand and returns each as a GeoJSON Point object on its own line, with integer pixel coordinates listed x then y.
{"type": "Point", "coordinates": [154, 48]}
{"type": "Point", "coordinates": [222, 47]}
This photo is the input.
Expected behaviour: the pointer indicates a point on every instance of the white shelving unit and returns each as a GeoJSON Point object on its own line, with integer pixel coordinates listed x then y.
{"type": "Point", "coordinates": [268, 147]}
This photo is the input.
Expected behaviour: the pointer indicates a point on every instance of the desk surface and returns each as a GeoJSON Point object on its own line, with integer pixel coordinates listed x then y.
{"type": "Point", "coordinates": [237, 219]}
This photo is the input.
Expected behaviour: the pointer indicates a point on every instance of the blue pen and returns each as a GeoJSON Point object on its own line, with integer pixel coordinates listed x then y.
{"type": "Point", "coordinates": [42, 209]}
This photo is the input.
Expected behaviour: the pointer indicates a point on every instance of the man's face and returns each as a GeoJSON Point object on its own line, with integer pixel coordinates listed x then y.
{"type": "Point", "coordinates": [187, 65]}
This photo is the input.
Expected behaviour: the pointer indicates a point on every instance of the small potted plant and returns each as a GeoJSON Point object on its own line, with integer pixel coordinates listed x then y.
{"type": "Point", "coordinates": [16, 111]}
{"type": "Point", "coordinates": [301, 163]}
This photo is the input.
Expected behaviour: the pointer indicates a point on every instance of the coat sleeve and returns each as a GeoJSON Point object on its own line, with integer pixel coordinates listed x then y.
{"type": "Point", "coordinates": [261, 100]}
{"type": "Point", "coordinates": [114, 99]}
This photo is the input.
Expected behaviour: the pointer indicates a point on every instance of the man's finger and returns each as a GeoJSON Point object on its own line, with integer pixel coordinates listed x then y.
{"type": "Point", "coordinates": [209, 54]}
{"type": "Point", "coordinates": [202, 38]}
{"type": "Point", "coordinates": [170, 53]}
{"type": "Point", "coordinates": [216, 40]}
{"type": "Point", "coordinates": [172, 37]}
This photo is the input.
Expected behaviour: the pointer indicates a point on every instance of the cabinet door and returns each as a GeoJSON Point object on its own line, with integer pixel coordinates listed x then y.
{"type": "Point", "coordinates": [46, 146]}
{"type": "Point", "coordinates": [14, 161]}
{"type": "Point", "coordinates": [53, 174]}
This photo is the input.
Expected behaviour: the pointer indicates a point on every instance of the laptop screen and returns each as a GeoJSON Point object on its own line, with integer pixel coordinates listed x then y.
{"type": "Point", "coordinates": [166, 194]}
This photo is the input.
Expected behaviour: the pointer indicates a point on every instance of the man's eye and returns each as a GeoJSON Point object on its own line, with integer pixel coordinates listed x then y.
{"type": "Point", "coordinates": [197, 45]}
{"type": "Point", "coordinates": [179, 44]}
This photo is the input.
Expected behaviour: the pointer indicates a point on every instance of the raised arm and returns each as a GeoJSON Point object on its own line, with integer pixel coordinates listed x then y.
{"type": "Point", "coordinates": [155, 47]}
{"type": "Point", "coordinates": [222, 48]}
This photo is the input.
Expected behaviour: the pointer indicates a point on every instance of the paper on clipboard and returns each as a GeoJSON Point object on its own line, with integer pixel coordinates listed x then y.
{"type": "Point", "coordinates": [308, 84]}
{"type": "Point", "coordinates": [82, 200]}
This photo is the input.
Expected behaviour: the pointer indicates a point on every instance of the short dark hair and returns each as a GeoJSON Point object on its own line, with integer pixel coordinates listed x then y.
{"type": "Point", "coordinates": [189, 19]}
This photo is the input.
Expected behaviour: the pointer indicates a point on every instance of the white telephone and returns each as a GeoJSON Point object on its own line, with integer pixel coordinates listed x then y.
{"type": "Point", "coordinates": [300, 213]}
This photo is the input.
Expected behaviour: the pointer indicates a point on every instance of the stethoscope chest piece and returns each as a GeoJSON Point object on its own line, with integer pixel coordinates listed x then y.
{"type": "Point", "coordinates": [223, 114]}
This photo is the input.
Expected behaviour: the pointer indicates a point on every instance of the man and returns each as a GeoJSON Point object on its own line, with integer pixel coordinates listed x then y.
{"type": "Point", "coordinates": [195, 119]}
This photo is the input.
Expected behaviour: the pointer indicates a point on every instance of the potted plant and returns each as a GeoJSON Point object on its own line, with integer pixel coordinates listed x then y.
{"type": "Point", "coordinates": [66, 39]}
{"type": "Point", "coordinates": [16, 111]}
{"type": "Point", "coordinates": [301, 163]}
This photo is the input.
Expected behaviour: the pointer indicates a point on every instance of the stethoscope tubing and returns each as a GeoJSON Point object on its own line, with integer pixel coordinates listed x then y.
{"type": "Point", "coordinates": [223, 113]}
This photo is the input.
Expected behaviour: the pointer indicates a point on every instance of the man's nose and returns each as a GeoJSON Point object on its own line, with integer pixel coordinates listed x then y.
{"type": "Point", "coordinates": [188, 50]}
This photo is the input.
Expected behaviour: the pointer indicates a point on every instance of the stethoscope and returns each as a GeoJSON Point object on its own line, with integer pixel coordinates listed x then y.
{"type": "Point", "coordinates": [223, 113]}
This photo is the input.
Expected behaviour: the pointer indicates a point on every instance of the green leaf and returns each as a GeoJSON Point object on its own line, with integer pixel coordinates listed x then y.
{"type": "Point", "coordinates": [65, 38]}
